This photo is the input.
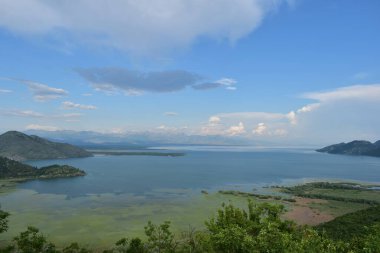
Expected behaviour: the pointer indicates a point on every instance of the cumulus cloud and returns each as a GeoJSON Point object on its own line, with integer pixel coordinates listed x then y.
{"type": "Point", "coordinates": [71, 105]}
{"type": "Point", "coordinates": [214, 120]}
{"type": "Point", "coordinates": [308, 108]}
{"type": "Point", "coordinates": [260, 129]}
{"type": "Point", "coordinates": [236, 130]}
{"type": "Point", "coordinates": [131, 82]}
{"type": "Point", "coordinates": [41, 127]}
{"type": "Point", "coordinates": [136, 26]}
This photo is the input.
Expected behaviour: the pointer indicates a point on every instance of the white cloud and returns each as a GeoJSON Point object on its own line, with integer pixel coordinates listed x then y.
{"type": "Point", "coordinates": [214, 120]}
{"type": "Point", "coordinates": [368, 92]}
{"type": "Point", "coordinates": [41, 127]}
{"type": "Point", "coordinates": [42, 92]}
{"type": "Point", "coordinates": [22, 113]}
{"type": "Point", "coordinates": [34, 114]}
{"type": "Point", "coordinates": [291, 116]}
{"type": "Point", "coordinates": [141, 26]}
{"type": "Point", "coordinates": [260, 129]}
{"type": "Point", "coordinates": [171, 114]}
{"type": "Point", "coordinates": [309, 108]}
{"type": "Point", "coordinates": [236, 130]}
{"type": "Point", "coordinates": [71, 105]}
{"type": "Point", "coordinates": [5, 91]}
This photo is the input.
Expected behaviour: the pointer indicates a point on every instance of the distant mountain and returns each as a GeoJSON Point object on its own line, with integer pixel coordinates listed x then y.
{"type": "Point", "coordinates": [10, 169]}
{"type": "Point", "coordinates": [365, 148]}
{"type": "Point", "coordinates": [136, 140]}
{"type": "Point", "coordinates": [19, 146]}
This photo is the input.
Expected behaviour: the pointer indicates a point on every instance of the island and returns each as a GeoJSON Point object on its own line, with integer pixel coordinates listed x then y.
{"type": "Point", "coordinates": [358, 148]}
{"type": "Point", "coordinates": [11, 169]}
{"type": "Point", "coordinates": [21, 147]}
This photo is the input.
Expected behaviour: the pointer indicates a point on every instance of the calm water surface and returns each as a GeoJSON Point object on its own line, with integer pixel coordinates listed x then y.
{"type": "Point", "coordinates": [120, 194]}
{"type": "Point", "coordinates": [203, 169]}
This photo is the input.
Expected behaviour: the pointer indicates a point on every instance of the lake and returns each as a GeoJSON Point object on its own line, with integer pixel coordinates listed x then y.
{"type": "Point", "coordinates": [120, 194]}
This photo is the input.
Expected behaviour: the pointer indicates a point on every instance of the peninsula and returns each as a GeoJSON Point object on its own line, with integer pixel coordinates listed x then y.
{"type": "Point", "coordinates": [11, 169]}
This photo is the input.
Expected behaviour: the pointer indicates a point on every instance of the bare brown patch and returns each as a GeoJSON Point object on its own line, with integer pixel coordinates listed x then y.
{"type": "Point", "coordinates": [302, 214]}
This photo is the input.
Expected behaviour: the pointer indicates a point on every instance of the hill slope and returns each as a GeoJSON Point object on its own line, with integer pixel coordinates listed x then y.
{"type": "Point", "coordinates": [13, 169]}
{"type": "Point", "coordinates": [354, 148]}
{"type": "Point", "coordinates": [19, 146]}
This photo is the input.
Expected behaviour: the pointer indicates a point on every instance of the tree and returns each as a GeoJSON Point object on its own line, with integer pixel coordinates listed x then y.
{"type": "Point", "coordinates": [3, 221]}
{"type": "Point", "coordinates": [31, 241]}
{"type": "Point", "coordinates": [160, 238]}
{"type": "Point", "coordinates": [260, 229]}
{"type": "Point", "coordinates": [75, 248]}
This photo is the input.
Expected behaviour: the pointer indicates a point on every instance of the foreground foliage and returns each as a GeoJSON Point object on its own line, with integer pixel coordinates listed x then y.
{"type": "Point", "coordinates": [257, 229]}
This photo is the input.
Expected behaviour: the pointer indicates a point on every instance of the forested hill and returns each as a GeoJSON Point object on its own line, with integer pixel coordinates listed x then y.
{"type": "Point", "coordinates": [19, 146]}
{"type": "Point", "coordinates": [10, 169]}
{"type": "Point", "coordinates": [354, 148]}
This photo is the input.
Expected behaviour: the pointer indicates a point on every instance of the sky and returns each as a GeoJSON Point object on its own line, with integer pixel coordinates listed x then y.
{"type": "Point", "coordinates": [276, 71]}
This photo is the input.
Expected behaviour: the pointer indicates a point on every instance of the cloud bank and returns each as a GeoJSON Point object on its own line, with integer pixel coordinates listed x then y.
{"type": "Point", "coordinates": [141, 26]}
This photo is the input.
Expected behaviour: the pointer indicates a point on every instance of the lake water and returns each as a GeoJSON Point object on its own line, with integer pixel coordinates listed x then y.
{"type": "Point", "coordinates": [120, 194]}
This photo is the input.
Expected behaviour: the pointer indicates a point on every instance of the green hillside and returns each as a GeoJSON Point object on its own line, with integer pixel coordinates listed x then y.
{"type": "Point", "coordinates": [10, 169]}
{"type": "Point", "coordinates": [19, 146]}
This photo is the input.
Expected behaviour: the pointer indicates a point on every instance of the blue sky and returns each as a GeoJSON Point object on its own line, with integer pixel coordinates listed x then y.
{"type": "Point", "coordinates": [283, 71]}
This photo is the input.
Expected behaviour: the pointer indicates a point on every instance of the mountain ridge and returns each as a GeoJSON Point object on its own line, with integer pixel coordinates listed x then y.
{"type": "Point", "coordinates": [356, 147]}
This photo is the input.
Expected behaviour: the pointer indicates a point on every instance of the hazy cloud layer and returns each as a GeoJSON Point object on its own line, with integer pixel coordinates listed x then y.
{"type": "Point", "coordinates": [141, 26]}
{"type": "Point", "coordinates": [131, 82]}
{"type": "Point", "coordinates": [41, 127]}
